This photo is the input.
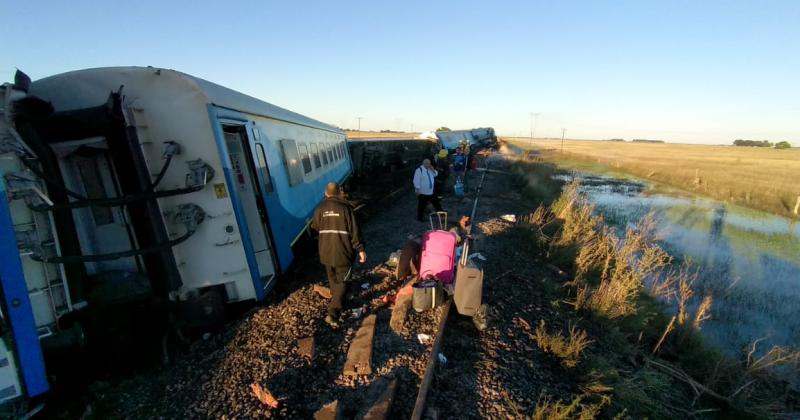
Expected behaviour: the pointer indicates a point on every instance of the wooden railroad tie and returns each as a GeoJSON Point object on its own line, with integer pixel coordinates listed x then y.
{"type": "Point", "coordinates": [359, 355]}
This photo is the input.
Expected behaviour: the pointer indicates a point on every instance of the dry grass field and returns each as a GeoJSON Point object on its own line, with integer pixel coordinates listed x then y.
{"type": "Point", "coordinates": [760, 178]}
{"type": "Point", "coordinates": [378, 135]}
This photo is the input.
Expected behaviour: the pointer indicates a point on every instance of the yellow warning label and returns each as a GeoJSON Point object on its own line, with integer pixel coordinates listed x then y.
{"type": "Point", "coordinates": [220, 191]}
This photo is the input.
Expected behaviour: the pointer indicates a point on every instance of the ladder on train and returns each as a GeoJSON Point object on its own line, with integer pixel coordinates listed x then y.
{"type": "Point", "coordinates": [34, 231]}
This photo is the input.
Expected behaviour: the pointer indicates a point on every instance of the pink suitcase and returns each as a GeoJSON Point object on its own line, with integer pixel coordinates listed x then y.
{"type": "Point", "coordinates": [438, 255]}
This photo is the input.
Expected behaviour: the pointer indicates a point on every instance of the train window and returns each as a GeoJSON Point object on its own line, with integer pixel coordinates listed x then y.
{"type": "Point", "coordinates": [343, 148]}
{"type": "Point", "coordinates": [336, 152]}
{"type": "Point", "coordinates": [262, 166]}
{"type": "Point", "coordinates": [93, 185]}
{"type": "Point", "coordinates": [330, 154]}
{"type": "Point", "coordinates": [304, 157]}
{"type": "Point", "coordinates": [315, 155]}
{"type": "Point", "coordinates": [291, 161]}
{"type": "Point", "coordinates": [324, 154]}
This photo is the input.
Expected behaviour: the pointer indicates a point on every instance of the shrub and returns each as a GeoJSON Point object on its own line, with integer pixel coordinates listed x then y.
{"type": "Point", "coordinates": [568, 349]}
{"type": "Point", "coordinates": [547, 410]}
{"type": "Point", "coordinates": [783, 145]}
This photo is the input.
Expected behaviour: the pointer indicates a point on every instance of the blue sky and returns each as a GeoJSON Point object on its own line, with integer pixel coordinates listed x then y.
{"type": "Point", "coordinates": [687, 71]}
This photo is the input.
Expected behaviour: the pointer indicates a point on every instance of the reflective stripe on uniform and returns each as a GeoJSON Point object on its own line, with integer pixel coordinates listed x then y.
{"type": "Point", "coordinates": [341, 232]}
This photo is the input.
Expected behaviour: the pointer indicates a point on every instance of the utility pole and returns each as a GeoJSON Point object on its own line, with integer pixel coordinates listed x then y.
{"type": "Point", "coordinates": [359, 123]}
{"type": "Point", "coordinates": [534, 117]}
{"type": "Point", "coordinates": [563, 130]}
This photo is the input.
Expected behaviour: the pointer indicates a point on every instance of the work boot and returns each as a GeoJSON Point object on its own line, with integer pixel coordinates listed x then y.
{"type": "Point", "coordinates": [332, 322]}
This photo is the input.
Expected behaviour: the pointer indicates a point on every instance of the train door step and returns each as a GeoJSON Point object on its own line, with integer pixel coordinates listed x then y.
{"type": "Point", "coordinates": [359, 355]}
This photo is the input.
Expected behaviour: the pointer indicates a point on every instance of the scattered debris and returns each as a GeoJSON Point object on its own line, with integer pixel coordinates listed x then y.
{"type": "Point", "coordinates": [509, 218]}
{"type": "Point", "coordinates": [359, 355]}
{"type": "Point", "coordinates": [442, 359]}
{"type": "Point", "coordinates": [389, 298]}
{"type": "Point", "coordinates": [556, 270]}
{"type": "Point", "coordinates": [323, 291]}
{"type": "Point", "coordinates": [424, 339]}
{"type": "Point", "coordinates": [477, 255]}
{"type": "Point", "coordinates": [330, 411]}
{"type": "Point", "coordinates": [264, 395]}
{"type": "Point", "coordinates": [356, 312]}
{"type": "Point", "coordinates": [394, 259]}
{"type": "Point", "coordinates": [364, 286]}
{"type": "Point", "coordinates": [305, 347]}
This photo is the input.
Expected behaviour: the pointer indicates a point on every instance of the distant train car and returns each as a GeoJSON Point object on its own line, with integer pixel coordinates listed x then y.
{"type": "Point", "coordinates": [131, 180]}
{"type": "Point", "coordinates": [377, 157]}
{"type": "Point", "coordinates": [450, 140]}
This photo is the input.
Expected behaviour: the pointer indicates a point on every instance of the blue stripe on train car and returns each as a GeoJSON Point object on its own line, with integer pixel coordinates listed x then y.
{"type": "Point", "coordinates": [17, 306]}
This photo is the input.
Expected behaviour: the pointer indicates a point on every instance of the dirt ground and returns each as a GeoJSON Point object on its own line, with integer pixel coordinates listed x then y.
{"type": "Point", "coordinates": [496, 373]}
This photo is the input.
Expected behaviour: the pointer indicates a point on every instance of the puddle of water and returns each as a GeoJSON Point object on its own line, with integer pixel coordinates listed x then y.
{"type": "Point", "coordinates": [749, 261]}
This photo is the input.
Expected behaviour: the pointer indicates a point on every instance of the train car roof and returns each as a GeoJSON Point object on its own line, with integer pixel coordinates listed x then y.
{"type": "Point", "coordinates": [213, 93]}
{"type": "Point", "coordinates": [387, 139]}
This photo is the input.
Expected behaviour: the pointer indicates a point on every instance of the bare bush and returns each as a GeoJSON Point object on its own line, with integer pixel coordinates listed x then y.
{"type": "Point", "coordinates": [577, 409]}
{"type": "Point", "coordinates": [567, 349]}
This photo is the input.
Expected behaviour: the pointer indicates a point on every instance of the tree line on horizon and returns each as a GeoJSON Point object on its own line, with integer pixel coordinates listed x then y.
{"type": "Point", "coordinates": [762, 143]}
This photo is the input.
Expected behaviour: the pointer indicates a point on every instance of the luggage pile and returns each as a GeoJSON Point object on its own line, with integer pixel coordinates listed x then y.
{"type": "Point", "coordinates": [440, 275]}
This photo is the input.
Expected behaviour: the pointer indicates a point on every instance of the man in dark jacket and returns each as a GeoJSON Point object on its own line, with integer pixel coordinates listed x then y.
{"type": "Point", "coordinates": [339, 242]}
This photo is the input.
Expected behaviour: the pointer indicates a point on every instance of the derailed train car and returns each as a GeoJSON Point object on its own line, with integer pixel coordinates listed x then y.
{"type": "Point", "coordinates": [120, 183]}
{"type": "Point", "coordinates": [483, 137]}
{"type": "Point", "coordinates": [381, 157]}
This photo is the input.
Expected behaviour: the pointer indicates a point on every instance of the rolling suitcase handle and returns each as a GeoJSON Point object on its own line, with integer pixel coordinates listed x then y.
{"type": "Point", "coordinates": [440, 216]}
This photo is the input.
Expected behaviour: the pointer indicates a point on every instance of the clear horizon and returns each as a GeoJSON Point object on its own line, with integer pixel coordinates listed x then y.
{"type": "Point", "coordinates": [682, 71]}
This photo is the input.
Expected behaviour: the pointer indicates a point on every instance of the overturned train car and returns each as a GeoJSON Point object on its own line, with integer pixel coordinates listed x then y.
{"type": "Point", "coordinates": [381, 158]}
{"type": "Point", "coordinates": [480, 137]}
{"type": "Point", "coordinates": [120, 183]}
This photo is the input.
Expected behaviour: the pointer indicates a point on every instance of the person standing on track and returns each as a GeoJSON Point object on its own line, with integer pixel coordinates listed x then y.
{"type": "Point", "coordinates": [423, 186]}
{"type": "Point", "coordinates": [339, 243]}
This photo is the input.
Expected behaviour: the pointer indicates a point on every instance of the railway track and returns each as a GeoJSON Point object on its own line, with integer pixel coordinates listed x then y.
{"type": "Point", "coordinates": [215, 378]}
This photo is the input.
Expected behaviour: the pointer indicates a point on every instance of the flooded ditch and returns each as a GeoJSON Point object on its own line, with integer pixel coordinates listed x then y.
{"type": "Point", "coordinates": [748, 260]}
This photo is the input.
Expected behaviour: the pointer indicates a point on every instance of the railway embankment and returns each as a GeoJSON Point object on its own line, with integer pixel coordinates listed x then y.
{"type": "Point", "coordinates": [547, 352]}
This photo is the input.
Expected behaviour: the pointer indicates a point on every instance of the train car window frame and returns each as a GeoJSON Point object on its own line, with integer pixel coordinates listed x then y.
{"type": "Point", "coordinates": [330, 153]}
{"type": "Point", "coordinates": [315, 155]}
{"type": "Point", "coordinates": [261, 157]}
{"type": "Point", "coordinates": [323, 151]}
{"type": "Point", "coordinates": [305, 158]}
{"type": "Point", "coordinates": [89, 172]}
{"type": "Point", "coordinates": [291, 161]}
{"type": "Point", "coordinates": [336, 152]}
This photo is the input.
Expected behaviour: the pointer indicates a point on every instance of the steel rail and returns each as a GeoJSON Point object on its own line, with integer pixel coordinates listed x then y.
{"type": "Point", "coordinates": [422, 394]}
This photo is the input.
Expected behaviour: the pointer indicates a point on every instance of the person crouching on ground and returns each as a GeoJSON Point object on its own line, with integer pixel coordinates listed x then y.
{"type": "Point", "coordinates": [339, 242]}
{"type": "Point", "coordinates": [423, 186]}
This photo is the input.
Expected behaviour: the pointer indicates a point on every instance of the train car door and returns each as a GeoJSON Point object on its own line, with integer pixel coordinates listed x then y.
{"type": "Point", "coordinates": [249, 191]}
{"type": "Point", "coordinates": [87, 169]}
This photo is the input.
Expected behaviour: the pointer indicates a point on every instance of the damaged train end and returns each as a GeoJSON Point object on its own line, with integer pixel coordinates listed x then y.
{"type": "Point", "coordinates": [138, 193]}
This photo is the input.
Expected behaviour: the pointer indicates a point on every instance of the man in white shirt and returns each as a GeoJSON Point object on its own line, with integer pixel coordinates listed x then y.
{"type": "Point", "coordinates": [423, 186]}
